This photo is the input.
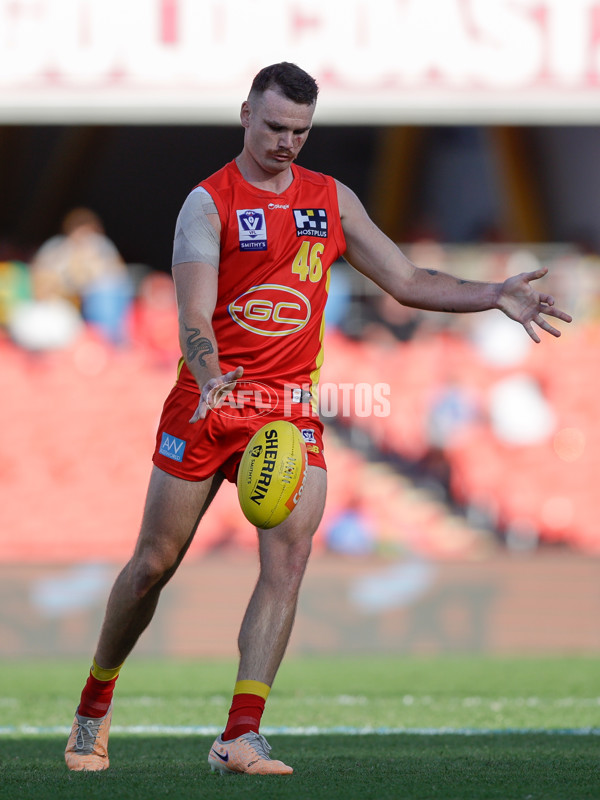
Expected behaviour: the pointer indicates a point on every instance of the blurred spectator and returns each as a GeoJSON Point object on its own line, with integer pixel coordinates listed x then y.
{"type": "Point", "coordinates": [500, 344]}
{"type": "Point", "coordinates": [400, 321]}
{"type": "Point", "coordinates": [45, 324]}
{"type": "Point", "coordinates": [519, 412]}
{"type": "Point", "coordinates": [453, 407]}
{"type": "Point", "coordinates": [15, 288]}
{"type": "Point", "coordinates": [351, 531]}
{"type": "Point", "coordinates": [340, 296]}
{"type": "Point", "coordinates": [81, 265]}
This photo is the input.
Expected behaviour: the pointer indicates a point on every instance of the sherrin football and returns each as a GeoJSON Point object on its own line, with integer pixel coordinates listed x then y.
{"type": "Point", "coordinates": [272, 473]}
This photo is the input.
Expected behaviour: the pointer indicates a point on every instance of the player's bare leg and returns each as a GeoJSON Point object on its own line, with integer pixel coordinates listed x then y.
{"type": "Point", "coordinates": [284, 553]}
{"type": "Point", "coordinates": [265, 633]}
{"type": "Point", "coordinates": [173, 510]}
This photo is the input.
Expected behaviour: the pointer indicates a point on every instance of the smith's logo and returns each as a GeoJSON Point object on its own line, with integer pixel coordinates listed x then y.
{"type": "Point", "coordinates": [252, 229]}
{"type": "Point", "coordinates": [172, 447]}
{"type": "Point", "coordinates": [311, 222]}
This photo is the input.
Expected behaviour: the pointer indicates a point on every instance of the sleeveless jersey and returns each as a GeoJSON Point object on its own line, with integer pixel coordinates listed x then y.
{"type": "Point", "coordinates": [276, 251]}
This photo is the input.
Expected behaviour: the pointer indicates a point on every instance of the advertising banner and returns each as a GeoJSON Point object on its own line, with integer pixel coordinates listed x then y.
{"type": "Point", "coordinates": [377, 61]}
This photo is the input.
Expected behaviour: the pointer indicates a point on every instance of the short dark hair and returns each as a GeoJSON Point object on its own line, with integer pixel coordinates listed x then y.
{"type": "Point", "coordinates": [293, 82]}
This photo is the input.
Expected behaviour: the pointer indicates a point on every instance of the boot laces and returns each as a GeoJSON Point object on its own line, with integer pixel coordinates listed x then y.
{"type": "Point", "coordinates": [87, 732]}
{"type": "Point", "coordinates": [259, 743]}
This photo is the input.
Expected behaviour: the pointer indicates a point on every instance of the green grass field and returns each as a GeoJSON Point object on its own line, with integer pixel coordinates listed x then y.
{"type": "Point", "coordinates": [459, 728]}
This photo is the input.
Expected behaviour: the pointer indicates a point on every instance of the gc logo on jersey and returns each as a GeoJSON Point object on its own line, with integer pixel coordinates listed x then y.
{"type": "Point", "coordinates": [311, 222]}
{"type": "Point", "coordinates": [271, 310]}
{"type": "Point", "coordinates": [252, 229]}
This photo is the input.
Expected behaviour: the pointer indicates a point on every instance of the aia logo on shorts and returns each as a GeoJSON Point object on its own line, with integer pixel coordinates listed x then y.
{"type": "Point", "coordinates": [271, 310]}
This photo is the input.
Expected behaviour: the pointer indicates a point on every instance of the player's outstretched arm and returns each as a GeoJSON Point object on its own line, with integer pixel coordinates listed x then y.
{"type": "Point", "coordinates": [371, 252]}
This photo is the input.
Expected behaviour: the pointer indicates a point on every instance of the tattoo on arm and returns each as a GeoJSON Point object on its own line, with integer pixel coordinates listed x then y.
{"type": "Point", "coordinates": [435, 272]}
{"type": "Point", "coordinates": [198, 346]}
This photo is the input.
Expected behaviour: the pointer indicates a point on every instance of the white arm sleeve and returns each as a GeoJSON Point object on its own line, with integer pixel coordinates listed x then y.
{"type": "Point", "coordinates": [195, 238]}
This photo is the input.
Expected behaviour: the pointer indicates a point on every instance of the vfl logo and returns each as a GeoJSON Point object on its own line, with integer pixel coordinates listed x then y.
{"type": "Point", "coordinates": [311, 222]}
{"type": "Point", "coordinates": [172, 447]}
{"type": "Point", "coordinates": [271, 310]}
{"type": "Point", "coordinates": [308, 434]}
{"type": "Point", "coordinates": [252, 229]}
{"type": "Point", "coordinates": [256, 451]}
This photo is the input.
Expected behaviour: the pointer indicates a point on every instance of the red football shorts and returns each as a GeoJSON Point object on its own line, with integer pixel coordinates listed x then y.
{"type": "Point", "coordinates": [196, 451]}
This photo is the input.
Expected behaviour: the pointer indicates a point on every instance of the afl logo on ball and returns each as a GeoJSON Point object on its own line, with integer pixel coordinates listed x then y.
{"type": "Point", "coordinates": [271, 310]}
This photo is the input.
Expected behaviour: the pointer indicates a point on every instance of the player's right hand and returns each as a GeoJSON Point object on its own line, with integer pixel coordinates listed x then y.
{"type": "Point", "coordinates": [215, 390]}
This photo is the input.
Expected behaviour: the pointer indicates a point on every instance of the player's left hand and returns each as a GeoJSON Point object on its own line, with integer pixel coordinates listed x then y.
{"type": "Point", "coordinates": [521, 302]}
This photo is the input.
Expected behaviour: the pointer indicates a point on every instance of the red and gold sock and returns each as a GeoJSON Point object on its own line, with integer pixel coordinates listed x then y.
{"type": "Point", "coordinates": [247, 708]}
{"type": "Point", "coordinates": [98, 691]}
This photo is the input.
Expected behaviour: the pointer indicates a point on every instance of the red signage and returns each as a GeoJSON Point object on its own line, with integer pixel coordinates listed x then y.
{"type": "Point", "coordinates": [384, 61]}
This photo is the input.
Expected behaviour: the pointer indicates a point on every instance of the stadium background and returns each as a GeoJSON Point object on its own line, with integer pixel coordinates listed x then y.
{"type": "Point", "coordinates": [463, 521]}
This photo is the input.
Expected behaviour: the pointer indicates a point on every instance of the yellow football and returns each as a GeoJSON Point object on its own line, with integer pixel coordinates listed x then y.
{"type": "Point", "coordinates": [272, 473]}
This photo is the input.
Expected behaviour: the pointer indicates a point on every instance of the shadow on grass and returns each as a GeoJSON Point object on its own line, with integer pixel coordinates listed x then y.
{"type": "Point", "coordinates": [446, 767]}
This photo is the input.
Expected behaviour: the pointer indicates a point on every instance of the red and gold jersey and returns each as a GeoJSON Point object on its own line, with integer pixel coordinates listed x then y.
{"type": "Point", "coordinates": [276, 251]}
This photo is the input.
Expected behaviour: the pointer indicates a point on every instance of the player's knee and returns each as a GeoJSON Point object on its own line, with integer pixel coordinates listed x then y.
{"type": "Point", "coordinates": [296, 568]}
{"type": "Point", "coordinates": [284, 563]}
{"type": "Point", "coordinates": [148, 571]}
{"type": "Point", "coordinates": [297, 556]}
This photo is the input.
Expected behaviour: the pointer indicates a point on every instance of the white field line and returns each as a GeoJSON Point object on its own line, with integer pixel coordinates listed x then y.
{"type": "Point", "coordinates": [198, 730]}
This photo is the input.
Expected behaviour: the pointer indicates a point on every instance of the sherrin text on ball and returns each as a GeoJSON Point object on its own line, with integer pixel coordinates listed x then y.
{"type": "Point", "coordinates": [272, 473]}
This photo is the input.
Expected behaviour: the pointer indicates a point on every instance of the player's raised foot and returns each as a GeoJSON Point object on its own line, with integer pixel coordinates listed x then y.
{"type": "Point", "coordinates": [87, 748]}
{"type": "Point", "coordinates": [248, 753]}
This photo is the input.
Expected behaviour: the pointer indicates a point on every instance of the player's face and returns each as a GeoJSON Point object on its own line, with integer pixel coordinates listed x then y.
{"type": "Point", "coordinates": [276, 129]}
